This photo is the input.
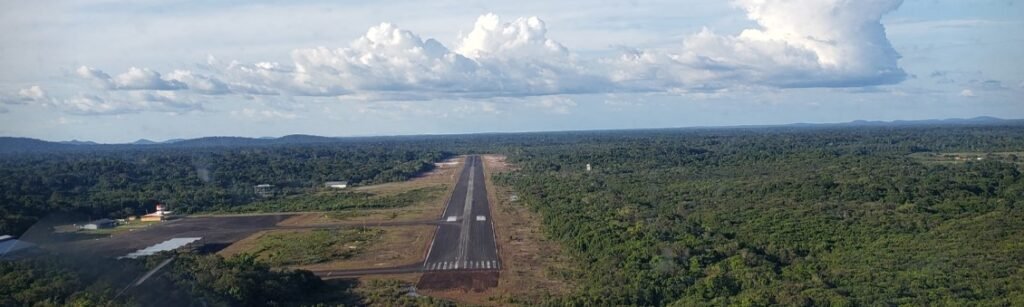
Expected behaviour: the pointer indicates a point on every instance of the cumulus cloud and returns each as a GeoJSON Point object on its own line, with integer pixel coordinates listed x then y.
{"type": "Point", "coordinates": [796, 43]}
{"type": "Point", "coordinates": [33, 93]}
{"type": "Point", "coordinates": [495, 59]}
{"type": "Point", "coordinates": [523, 37]}
{"type": "Point", "coordinates": [133, 79]}
{"type": "Point", "coordinates": [200, 83]}
{"type": "Point", "coordinates": [29, 95]}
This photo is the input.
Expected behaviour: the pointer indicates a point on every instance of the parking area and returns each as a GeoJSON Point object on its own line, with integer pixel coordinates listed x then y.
{"type": "Point", "coordinates": [216, 232]}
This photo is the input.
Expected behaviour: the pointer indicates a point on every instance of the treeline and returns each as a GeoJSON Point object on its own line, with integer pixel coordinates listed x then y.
{"type": "Point", "coordinates": [125, 183]}
{"type": "Point", "coordinates": [787, 216]}
{"type": "Point", "coordinates": [837, 217]}
{"type": "Point", "coordinates": [189, 280]}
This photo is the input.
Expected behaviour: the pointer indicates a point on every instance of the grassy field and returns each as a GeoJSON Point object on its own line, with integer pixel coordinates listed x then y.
{"type": "Point", "coordinates": [301, 247]}
{"type": "Point", "coordinates": [427, 194]}
{"type": "Point", "coordinates": [339, 201]}
{"type": "Point", "coordinates": [394, 246]}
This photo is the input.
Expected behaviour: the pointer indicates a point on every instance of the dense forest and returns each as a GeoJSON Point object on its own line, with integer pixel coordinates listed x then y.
{"type": "Point", "coordinates": [117, 184]}
{"type": "Point", "coordinates": [188, 280]}
{"type": "Point", "coordinates": [924, 215]}
{"type": "Point", "coordinates": [839, 217]}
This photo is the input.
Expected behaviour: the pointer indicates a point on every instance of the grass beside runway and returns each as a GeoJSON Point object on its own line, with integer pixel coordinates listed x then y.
{"type": "Point", "coordinates": [301, 247]}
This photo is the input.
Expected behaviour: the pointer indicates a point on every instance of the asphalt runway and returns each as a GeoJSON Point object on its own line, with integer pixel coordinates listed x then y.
{"type": "Point", "coordinates": [463, 242]}
{"type": "Point", "coordinates": [463, 247]}
{"type": "Point", "coordinates": [465, 238]}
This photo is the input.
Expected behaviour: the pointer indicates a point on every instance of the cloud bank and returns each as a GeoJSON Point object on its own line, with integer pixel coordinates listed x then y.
{"type": "Point", "coordinates": [805, 43]}
{"type": "Point", "coordinates": [796, 43]}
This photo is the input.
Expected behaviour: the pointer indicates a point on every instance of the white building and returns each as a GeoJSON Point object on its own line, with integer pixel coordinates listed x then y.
{"type": "Point", "coordinates": [264, 190]}
{"type": "Point", "coordinates": [99, 224]}
{"type": "Point", "coordinates": [157, 216]}
{"type": "Point", "coordinates": [336, 184]}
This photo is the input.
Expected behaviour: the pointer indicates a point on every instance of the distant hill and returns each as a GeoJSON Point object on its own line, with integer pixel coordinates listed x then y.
{"type": "Point", "coordinates": [980, 121]}
{"type": "Point", "coordinates": [144, 142]}
{"type": "Point", "coordinates": [14, 144]}
{"type": "Point", "coordinates": [77, 142]}
{"type": "Point", "coordinates": [19, 144]}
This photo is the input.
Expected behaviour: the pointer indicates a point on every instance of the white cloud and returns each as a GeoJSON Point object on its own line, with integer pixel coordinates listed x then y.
{"type": "Point", "coordinates": [801, 43]}
{"type": "Point", "coordinates": [133, 79]}
{"type": "Point", "coordinates": [135, 102]}
{"type": "Point", "coordinates": [798, 43]}
{"type": "Point", "coordinates": [202, 84]}
{"type": "Point", "coordinates": [145, 79]}
{"type": "Point", "coordinates": [98, 77]}
{"type": "Point", "coordinates": [522, 37]}
{"type": "Point", "coordinates": [32, 94]}
{"type": "Point", "coordinates": [495, 59]}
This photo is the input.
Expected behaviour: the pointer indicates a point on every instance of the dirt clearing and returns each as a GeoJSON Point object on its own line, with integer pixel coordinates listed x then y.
{"type": "Point", "coordinates": [528, 257]}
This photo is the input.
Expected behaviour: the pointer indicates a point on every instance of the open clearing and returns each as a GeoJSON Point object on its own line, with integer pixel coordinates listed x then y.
{"type": "Point", "coordinates": [441, 178]}
{"type": "Point", "coordinates": [391, 247]}
{"type": "Point", "coordinates": [1015, 157]}
{"type": "Point", "coordinates": [394, 247]}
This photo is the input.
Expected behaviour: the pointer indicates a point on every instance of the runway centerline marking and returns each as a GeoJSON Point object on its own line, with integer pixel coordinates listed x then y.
{"type": "Point", "coordinates": [467, 212]}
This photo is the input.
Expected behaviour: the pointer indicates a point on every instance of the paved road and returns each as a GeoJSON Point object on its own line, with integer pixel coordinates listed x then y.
{"type": "Point", "coordinates": [465, 238]}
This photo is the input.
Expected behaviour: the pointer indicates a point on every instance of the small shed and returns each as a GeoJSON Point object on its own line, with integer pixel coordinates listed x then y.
{"type": "Point", "coordinates": [99, 224]}
{"type": "Point", "coordinates": [264, 190]}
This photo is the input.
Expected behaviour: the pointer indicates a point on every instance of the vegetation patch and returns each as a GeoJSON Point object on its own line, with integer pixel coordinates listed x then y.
{"type": "Point", "coordinates": [339, 201]}
{"type": "Point", "coordinates": [284, 248]}
{"type": "Point", "coordinates": [789, 217]}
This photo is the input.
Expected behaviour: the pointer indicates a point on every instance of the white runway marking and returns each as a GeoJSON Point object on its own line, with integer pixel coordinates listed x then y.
{"type": "Point", "coordinates": [462, 252]}
{"type": "Point", "coordinates": [481, 218]}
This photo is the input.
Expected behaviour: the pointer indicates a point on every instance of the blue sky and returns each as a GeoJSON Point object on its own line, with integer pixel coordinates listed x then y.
{"type": "Point", "coordinates": [117, 71]}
